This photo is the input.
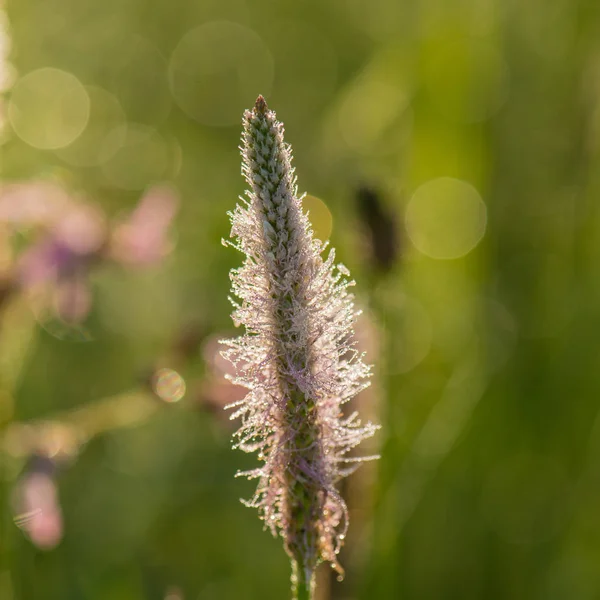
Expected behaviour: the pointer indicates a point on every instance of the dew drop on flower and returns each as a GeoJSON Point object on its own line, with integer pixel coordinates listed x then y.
{"type": "Point", "coordinates": [343, 270]}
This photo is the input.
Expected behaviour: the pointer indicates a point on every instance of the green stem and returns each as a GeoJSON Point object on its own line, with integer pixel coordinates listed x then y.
{"type": "Point", "coordinates": [303, 583]}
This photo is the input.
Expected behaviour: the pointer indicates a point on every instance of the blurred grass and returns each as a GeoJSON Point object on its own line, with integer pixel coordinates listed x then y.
{"type": "Point", "coordinates": [487, 377]}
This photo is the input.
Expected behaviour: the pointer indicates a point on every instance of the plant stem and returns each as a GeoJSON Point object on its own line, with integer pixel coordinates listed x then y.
{"type": "Point", "coordinates": [303, 582]}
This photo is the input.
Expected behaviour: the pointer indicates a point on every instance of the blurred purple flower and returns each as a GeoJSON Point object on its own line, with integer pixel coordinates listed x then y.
{"type": "Point", "coordinates": [53, 272]}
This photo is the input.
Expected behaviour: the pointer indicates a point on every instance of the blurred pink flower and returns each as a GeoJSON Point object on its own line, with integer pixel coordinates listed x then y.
{"type": "Point", "coordinates": [216, 391]}
{"type": "Point", "coordinates": [142, 239]}
{"type": "Point", "coordinates": [33, 202]}
{"type": "Point", "coordinates": [36, 504]}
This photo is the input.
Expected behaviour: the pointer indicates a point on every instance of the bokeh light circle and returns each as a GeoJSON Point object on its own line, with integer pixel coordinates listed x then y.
{"type": "Point", "coordinates": [215, 68]}
{"type": "Point", "coordinates": [141, 156]}
{"type": "Point", "coordinates": [106, 114]}
{"type": "Point", "coordinates": [140, 82]}
{"type": "Point", "coordinates": [168, 385]}
{"type": "Point", "coordinates": [4, 128]}
{"type": "Point", "coordinates": [446, 218]}
{"type": "Point", "coordinates": [369, 109]}
{"type": "Point", "coordinates": [49, 108]}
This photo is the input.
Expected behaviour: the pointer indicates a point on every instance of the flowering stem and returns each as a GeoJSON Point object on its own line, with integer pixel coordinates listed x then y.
{"type": "Point", "coordinates": [296, 358]}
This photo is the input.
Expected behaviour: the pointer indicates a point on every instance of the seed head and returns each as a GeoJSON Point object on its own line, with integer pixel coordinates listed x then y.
{"type": "Point", "coordinates": [297, 357]}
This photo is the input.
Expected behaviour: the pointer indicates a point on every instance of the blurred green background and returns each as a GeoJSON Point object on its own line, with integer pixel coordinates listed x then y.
{"type": "Point", "coordinates": [452, 149]}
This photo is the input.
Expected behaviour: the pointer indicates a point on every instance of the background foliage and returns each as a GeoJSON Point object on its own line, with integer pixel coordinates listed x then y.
{"type": "Point", "coordinates": [474, 127]}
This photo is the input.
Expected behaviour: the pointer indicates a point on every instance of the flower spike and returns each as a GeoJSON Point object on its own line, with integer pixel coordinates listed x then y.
{"type": "Point", "coordinates": [296, 358]}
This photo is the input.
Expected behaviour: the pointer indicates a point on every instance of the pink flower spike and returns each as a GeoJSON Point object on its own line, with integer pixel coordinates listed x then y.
{"type": "Point", "coordinates": [296, 358]}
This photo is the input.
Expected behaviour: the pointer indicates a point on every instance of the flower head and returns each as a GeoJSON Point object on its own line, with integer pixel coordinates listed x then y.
{"type": "Point", "coordinates": [36, 503]}
{"type": "Point", "coordinates": [296, 358]}
{"type": "Point", "coordinates": [73, 236]}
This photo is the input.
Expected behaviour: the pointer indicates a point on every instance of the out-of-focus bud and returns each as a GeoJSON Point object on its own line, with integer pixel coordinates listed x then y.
{"type": "Point", "coordinates": [187, 344]}
{"type": "Point", "coordinates": [381, 226]}
{"type": "Point", "coordinates": [36, 504]}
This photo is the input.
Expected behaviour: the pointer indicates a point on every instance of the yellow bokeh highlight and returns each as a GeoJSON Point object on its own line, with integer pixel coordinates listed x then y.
{"type": "Point", "coordinates": [446, 218]}
{"type": "Point", "coordinates": [49, 108]}
{"type": "Point", "coordinates": [106, 114]}
{"type": "Point", "coordinates": [370, 106]}
{"type": "Point", "coordinates": [137, 155]}
{"type": "Point", "coordinates": [320, 216]}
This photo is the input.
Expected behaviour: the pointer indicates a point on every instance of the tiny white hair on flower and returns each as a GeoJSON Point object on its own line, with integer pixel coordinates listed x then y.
{"type": "Point", "coordinates": [297, 357]}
